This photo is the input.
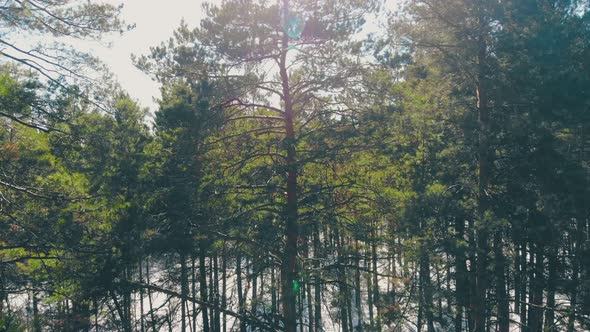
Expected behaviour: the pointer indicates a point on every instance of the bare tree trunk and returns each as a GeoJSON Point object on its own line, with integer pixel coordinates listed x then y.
{"type": "Point", "coordinates": [501, 294]}
{"type": "Point", "coordinates": [254, 289]}
{"type": "Point", "coordinates": [141, 308]}
{"type": "Point", "coordinates": [149, 293]}
{"type": "Point", "coordinates": [524, 272]}
{"type": "Point", "coordinates": [203, 286]}
{"type": "Point", "coordinates": [309, 307]}
{"type": "Point", "coordinates": [573, 289]}
{"type": "Point", "coordinates": [189, 318]}
{"type": "Point", "coordinates": [96, 312]}
{"type": "Point", "coordinates": [461, 278]}
{"type": "Point", "coordinates": [2, 291]}
{"type": "Point", "coordinates": [420, 316]}
{"type": "Point", "coordinates": [169, 321]}
{"type": "Point", "coordinates": [535, 321]}
{"type": "Point", "coordinates": [194, 290]}
{"type": "Point", "coordinates": [342, 284]}
{"type": "Point", "coordinates": [217, 316]}
{"type": "Point", "coordinates": [357, 289]}
{"type": "Point", "coordinates": [126, 326]}
{"type": "Point", "coordinates": [183, 290]}
{"type": "Point", "coordinates": [551, 280]}
{"type": "Point", "coordinates": [224, 286]}
{"type": "Point", "coordinates": [240, 292]}
{"type": "Point", "coordinates": [273, 296]}
{"type": "Point", "coordinates": [471, 255]}
{"type": "Point", "coordinates": [127, 301]}
{"type": "Point", "coordinates": [211, 296]}
{"type": "Point", "coordinates": [318, 286]}
{"type": "Point", "coordinates": [36, 318]}
{"type": "Point", "coordinates": [349, 283]}
{"type": "Point", "coordinates": [376, 298]}
{"type": "Point", "coordinates": [426, 287]}
{"type": "Point", "coordinates": [369, 291]}
{"type": "Point", "coordinates": [301, 299]}
{"type": "Point", "coordinates": [517, 273]}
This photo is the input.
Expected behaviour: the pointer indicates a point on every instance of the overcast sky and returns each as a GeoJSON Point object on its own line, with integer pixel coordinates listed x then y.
{"type": "Point", "coordinates": [155, 21]}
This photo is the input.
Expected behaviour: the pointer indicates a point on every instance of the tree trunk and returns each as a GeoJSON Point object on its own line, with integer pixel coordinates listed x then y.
{"type": "Point", "coordinates": [342, 284]}
{"type": "Point", "coordinates": [524, 273]}
{"type": "Point", "coordinates": [127, 301]}
{"type": "Point", "coordinates": [149, 293]}
{"type": "Point", "coordinates": [575, 283]}
{"type": "Point", "coordinates": [194, 289]}
{"type": "Point", "coordinates": [126, 327]}
{"type": "Point", "coordinates": [357, 289]}
{"type": "Point", "coordinates": [472, 273]}
{"type": "Point", "coordinates": [501, 294]}
{"type": "Point", "coordinates": [254, 289]}
{"type": "Point", "coordinates": [183, 290]}
{"type": "Point", "coordinates": [301, 301]}
{"type": "Point", "coordinates": [224, 287]}
{"type": "Point", "coordinates": [289, 268]}
{"type": "Point", "coordinates": [461, 278]}
{"type": "Point", "coordinates": [484, 176]}
{"type": "Point", "coordinates": [535, 319]}
{"type": "Point", "coordinates": [211, 291]}
{"type": "Point", "coordinates": [318, 286]}
{"type": "Point", "coordinates": [203, 286]}
{"type": "Point", "coordinates": [96, 312]}
{"type": "Point", "coordinates": [369, 291]}
{"type": "Point", "coordinates": [2, 291]}
{"type": "Point", "coordinates": [310, 307]}
{"type": "Point", "coordinates": [426, 288]}
{"type": "Point", "coordinates": [141, 308]}
{"type": "Point", "coordinates": [240, 292]}
{"type": "Point", "coordinates": [273, 296]}
{"type": "Point", "coordinates": [517, 274]}
{"type": "Point", "coordinates": [216, 316]}
{"type": "Point", "coordinates": [551, 281]}
{"type": "Point", "coordinates": [36, 318]}
{"type": "Point", "coordinates": [376, 299]}
{"type": "Point", "coordinates": [420, 316]}
{"type": "Point", "coordinates": [439, 298]}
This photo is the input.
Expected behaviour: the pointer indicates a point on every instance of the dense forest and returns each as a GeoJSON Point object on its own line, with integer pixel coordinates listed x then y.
{"type": "Point", "coordinates": [312, 165]}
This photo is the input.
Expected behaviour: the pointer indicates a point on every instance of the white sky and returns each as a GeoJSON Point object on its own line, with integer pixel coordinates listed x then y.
{"type": "Point", "coordinates": [155, 21]}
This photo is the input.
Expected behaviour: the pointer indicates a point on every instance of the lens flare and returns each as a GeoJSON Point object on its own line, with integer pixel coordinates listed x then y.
{"type": "Point", "coordinates": [296, 287]}
{"type": "Point", "coordinates": [293, 26]}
